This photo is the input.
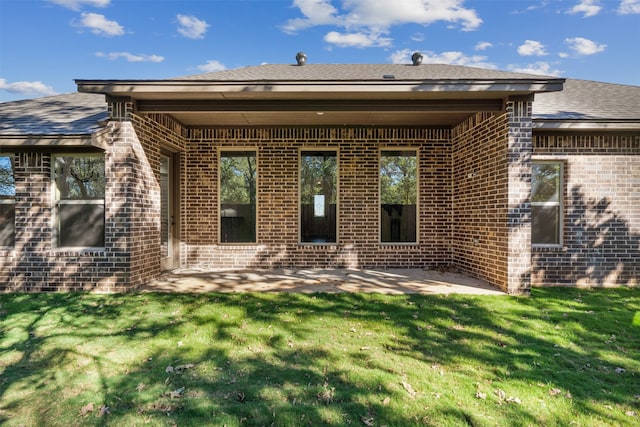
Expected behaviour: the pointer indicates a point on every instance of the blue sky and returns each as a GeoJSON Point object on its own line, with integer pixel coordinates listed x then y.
{"type": "Point", "coordinates": [45, 44]}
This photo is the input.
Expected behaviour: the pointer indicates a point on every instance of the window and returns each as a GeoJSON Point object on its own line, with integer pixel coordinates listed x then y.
{"type": "Point", "coordinates": [398, 196]}
{"type": "Point", "coordinates": [546, 203]}
{"type": "Point", "coordinates": [238, 197]}
{"type": "Point", "coordinates": [7, 201]}
{"type": "Point", "coordinates": [79, 190]}
{"type": "Point", "coordinates": [318, 196]}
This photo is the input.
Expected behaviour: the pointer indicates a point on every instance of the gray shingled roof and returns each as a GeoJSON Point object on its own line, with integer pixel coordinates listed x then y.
{"type": "Point", "coordinates": [79, 113]}
{"type": "Point", "coordinates": [357, 72]}
{"type": "Point", "coordinates": [68, 114]}
{"type": "Point", "coordinates": [588, 100]}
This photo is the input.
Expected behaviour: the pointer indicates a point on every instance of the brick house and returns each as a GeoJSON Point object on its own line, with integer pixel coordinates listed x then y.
{"type": "Point", "coordinates": [516, 179]}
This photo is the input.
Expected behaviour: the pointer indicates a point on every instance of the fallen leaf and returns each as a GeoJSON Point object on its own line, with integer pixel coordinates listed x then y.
{"type": "Point", "coordinates": [386, 401]}
{"type": "Point", "coordinates": [554, 392]}
{"type": "Point", "coordinates": [501, 394]}
{"type": "Point", "coordinates": [180, 344]}
{"type": "Point", "coordinates": [370, 421]}
{"type": "Point", "coordinates": [86, 409]}
{"type": "Point", "coordinates": [169, 369]}
{"type": "Point", "coordinates": [409, 389]}
{"type": "Point", "coordinates": [241, 397]}
{"type": "Point", "coordinates": [140, 387]}
{"type": "Point", "coordinates": [479, 394]}
{"type": "Point", "coordinates": [176, 393]}
{"type": "Point", "coordinates": [512, 399]}
{"type": "Point", "coordinates": [181, 368]}
{"type": "Point", "coordinates": [631, 413]}
{"type": "Point", "coordinates": [620, 370]}
{"type": "Point", "coordinates": [104, 410]}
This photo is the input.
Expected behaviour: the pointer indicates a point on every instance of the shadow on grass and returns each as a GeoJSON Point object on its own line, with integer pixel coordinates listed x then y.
{"type": "Point", "coordinates": [332, 359]}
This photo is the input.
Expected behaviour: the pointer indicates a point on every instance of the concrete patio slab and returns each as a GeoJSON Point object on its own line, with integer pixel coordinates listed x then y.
{"type": "Point", "coordinates": [388, 281]}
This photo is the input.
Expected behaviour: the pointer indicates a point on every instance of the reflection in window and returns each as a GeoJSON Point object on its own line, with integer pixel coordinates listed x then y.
{"type": "Point", "coordinates": [80, 209]}
{"type": "Point", "coordinates": [238, 197]}
{"type": "Point", "coordinates": [318, 195]}
{"type": "Point", "coordinates": [7, 201]}
{"type": "Point", "coordinates": [398, 196]}
{"type": "Point", "coordinates": [546, 203]}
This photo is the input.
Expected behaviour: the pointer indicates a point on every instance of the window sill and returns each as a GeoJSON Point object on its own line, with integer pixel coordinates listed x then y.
{"type": "Point", "coordinates": [396, 244]}
{"type": "Point", "coordinates": [548, 248]}
{"type": "Point", "coordinates": [88, 252]}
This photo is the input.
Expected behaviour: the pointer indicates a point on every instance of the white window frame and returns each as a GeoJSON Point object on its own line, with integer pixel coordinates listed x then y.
{"type": "Point", "coordinates": [56, 201]}
{"type": "Point", "coordinates": [559, 204]}
{"type": "Point", "coordinates": [416, 151]}
{"type": "Point", "coordinates": [253, 150]}
{"type": "Point", "coordinates": [336, 151]}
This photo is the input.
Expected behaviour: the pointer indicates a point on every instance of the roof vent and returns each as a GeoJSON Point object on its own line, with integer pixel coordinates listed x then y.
{"type": "Point", "coordinates": [301, 58]}
{"type": "Point", "coordinates": [416, 58]}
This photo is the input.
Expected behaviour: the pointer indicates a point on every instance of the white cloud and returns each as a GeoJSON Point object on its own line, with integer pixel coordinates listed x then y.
{"type": "Point", "coordinates": [27, 88]}
{"type": "Point", "coordinates": [531, 48]}
{"type": "Point", "coordinates": [587, 8]}
{"type": "Point", "coordinates": [583, 46]}
{"type": "Point", "coordinates": [452, 58]}
{"type": "Point", "coordinates": [211, 66]}
{"type": "Point", "coordinates": [316, 12]}
{"type": "Point", "coordinates": [77, 4]}
{"type": "Point", "coordinates": [540, 68]}
{"type": "Point", "coordinates": [191, 27]}
{"type": "Point", "coordinates": [130, 57]}
{"type": "Point", "coordinates": [377, 16]}
{"type": "Point", "coordinates": [418, 37]}
{"type": "Point", "coordinates": [483, 45]}
{"type": "Point", "coordinates": [100, 25]}
{"type": "Point", "coordinates": [357, 39]}
{"type": "Point", "coordinates": [628, 7]}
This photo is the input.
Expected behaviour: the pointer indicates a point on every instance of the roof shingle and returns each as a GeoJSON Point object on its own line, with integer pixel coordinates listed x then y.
{"type": "Point", "coordinates": [68, 114]}
{"type": "Point", "coordinates": [357, 72]}
{"type": "Point", "coordinates": [584, 99]}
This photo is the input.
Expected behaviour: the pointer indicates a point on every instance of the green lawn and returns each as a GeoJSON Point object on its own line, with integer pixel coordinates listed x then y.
{"type": "Point", "coordinates": [561, 357]}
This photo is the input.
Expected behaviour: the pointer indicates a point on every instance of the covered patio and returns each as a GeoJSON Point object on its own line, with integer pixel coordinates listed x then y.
{"type": "Point", "coordinates": [385, 281]}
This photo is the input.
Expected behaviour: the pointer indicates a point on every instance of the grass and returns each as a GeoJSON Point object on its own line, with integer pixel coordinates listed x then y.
{"type": "Point", "coordinates": [561, 357]}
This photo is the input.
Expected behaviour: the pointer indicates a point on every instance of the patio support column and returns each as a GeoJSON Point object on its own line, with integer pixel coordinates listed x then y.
{"type": "Point", "coordinates": [519, 150]}
{"type": "Point", "coordinates": [133, 196]}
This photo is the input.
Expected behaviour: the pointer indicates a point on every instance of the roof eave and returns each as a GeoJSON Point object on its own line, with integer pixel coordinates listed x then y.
{"type": "Point", "coordinates": [96, 139]}
{"type": "Point", "coordinates": [586, 124]}
{"type": "Point", "coordinates": [187, 88]}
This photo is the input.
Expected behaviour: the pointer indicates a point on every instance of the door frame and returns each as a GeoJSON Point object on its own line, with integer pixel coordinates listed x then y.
{"type": "Point", "coordinates": [172, 261]}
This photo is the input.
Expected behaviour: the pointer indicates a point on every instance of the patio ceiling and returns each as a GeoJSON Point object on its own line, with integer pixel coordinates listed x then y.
{"type": "Point", "coordinates": [319, 112]}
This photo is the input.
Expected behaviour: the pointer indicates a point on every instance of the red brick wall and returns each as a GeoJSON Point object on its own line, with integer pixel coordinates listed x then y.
{"type": "Point", "coordinates": [480, 190]}
{"type": "Point", "coordinates": [35, 263]}
{"type": "Point", "coordinates": [358, 217]}
{"type": "Point", "coordinates": [601, 239]}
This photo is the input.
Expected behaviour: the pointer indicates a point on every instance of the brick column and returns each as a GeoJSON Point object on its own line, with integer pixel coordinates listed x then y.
{"type": "Point", "coordinates": [33, 235]}
{"type": "Point", "coordinates": [133, 194]}
{"type": "Point", "coordinates": [519, 150]}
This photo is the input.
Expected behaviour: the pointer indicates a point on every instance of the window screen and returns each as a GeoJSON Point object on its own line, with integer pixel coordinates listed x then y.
{"type": "Point", "coordinates": [80, 209]}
